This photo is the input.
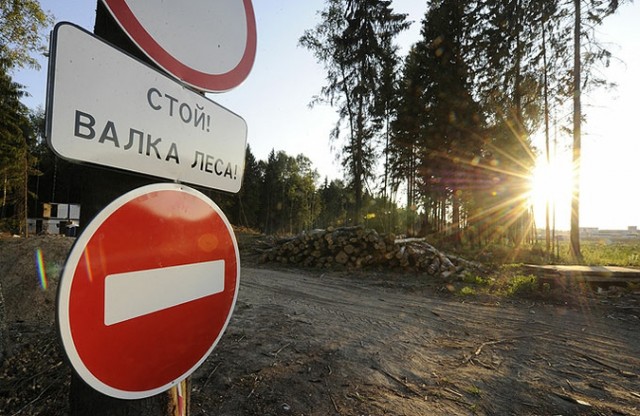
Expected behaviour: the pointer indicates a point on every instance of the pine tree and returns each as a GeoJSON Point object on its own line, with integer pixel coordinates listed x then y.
{"type": "Point", "coordinates": [353, 41]}
{"type": "Point", "coordinates": [408, 130]}
{"type": "Point", "coordinates": [16, 162]}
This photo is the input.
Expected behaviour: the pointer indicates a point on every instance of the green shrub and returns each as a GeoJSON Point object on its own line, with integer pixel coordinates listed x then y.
{"type": "Point", "coordinates": [470, 278]}
{"type": "Point", "coordinates": [520, 285]}
{"type": "Point", "coordinates": [467, 291]}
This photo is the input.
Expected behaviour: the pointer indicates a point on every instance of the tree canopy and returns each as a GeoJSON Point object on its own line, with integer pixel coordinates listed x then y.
{"type": "Point", "coordinates": [474, 89]}
{"type": "Point", "coordinates": [22, 32]}
{"type": "Point", "coordinates": [449, 124]}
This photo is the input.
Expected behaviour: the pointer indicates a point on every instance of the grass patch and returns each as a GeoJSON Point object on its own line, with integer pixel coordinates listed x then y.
{"type": "Point", "coordinates": [511, 282]}
{"type": "Point", "coordinates": [467, 291]}
{"type": "Point", "coordinates": [471, 278]}
{"type": "Point", "coordinates": [521, 285]}
{"type": "Point", "coordinates": [507, 281]}
{"type": "Point", "coordinates": [595, 253]}
{"type": "Point", "coordinates": [600, 253]}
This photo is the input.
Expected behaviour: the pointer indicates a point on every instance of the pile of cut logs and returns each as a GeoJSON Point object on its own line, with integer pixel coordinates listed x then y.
{"type": "Point", "coordinates": [357, 247]}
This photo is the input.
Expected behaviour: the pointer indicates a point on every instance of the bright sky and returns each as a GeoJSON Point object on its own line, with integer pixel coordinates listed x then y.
{"type": "Point", "coordinates": [611, 138]}
{"type": "Point", "coordinates": [274, 102]}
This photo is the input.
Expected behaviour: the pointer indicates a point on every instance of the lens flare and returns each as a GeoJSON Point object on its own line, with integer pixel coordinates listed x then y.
{"type": "Point", "coordinates": [42, 273]}
{"type": "Point", "coordinates": [87, 260]}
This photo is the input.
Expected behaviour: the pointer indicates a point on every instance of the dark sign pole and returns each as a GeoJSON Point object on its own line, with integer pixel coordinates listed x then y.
{"type": "Point", "coordinates": [99, 188]}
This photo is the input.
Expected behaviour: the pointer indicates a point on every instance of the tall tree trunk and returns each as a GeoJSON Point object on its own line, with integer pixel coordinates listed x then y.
{"type": "Point", "coordinates": [577, 114]}
{"type": "Point", "coordinates": [358, 159]}
{"type": "Point", "coordinates": [547, 225]}
{"type": "Point", "coordinates": [456, 237]}
{"type": "Point", "coordinates": [353, 131]}
{"type": "Point", "coordinates": [24, 218]}
{"type": "Point", "coordinates": [553, 204]}
{"type": "Point", "coordinates": [385, 194]}
{"type": "Point", "coordinates": [4, 195]}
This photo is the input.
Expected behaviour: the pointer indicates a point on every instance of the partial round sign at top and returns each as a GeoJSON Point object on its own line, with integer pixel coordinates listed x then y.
{"type": "Point", "coordinates": [208, 44]}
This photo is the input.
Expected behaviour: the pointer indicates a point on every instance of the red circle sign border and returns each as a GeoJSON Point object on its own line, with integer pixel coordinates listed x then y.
{"type": "Point", "coordinates": [67, 279]}
{"type": "Point", "coordinates": [200, 80]}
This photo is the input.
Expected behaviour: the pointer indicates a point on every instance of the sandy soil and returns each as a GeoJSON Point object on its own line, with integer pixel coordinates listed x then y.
{"type": "Point", "coordinates": [371, 343]}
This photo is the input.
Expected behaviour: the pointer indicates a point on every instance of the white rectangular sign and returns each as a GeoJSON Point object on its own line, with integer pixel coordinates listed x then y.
{"type": "Point", "coordinates": [133, 294]}
{"type": "Point", "coordinates": [107, 108]}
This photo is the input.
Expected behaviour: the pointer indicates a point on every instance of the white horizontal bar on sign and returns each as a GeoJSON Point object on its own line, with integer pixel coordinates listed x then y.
{"type": "Point", "coordinates": [133, 294]}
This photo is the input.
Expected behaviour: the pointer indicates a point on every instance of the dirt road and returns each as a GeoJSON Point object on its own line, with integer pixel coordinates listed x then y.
{"type": "Point", "coordinates": [320, 345]}
{"type": "Point", "coordinates": [372, 343]}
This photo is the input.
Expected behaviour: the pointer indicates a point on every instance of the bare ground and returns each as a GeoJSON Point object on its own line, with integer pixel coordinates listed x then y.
{"type": "Point", "coordinates": [366, 343]}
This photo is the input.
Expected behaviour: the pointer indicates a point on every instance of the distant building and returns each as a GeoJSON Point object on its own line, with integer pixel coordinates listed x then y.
{"type": "Point", "coordinates": [56, 219]}
{"type": "Point", "coordinates": [594, 233]}
{"type": "Point", "coordinates": [630, 233]}
{"type": "Point", "coordinates": [588, 232]}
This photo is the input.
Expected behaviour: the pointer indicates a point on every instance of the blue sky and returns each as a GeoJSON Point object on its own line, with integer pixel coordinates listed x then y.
{"type": "Point", "coordinates": [274, 101]}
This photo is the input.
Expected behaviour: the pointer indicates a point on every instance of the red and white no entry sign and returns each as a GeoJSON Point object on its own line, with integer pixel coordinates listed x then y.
{"type": "Point", "coordinates": [210, 45]}
{"type": "Point", "coordinates": [148, 290]}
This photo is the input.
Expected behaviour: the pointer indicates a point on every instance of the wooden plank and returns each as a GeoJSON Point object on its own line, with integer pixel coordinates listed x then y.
{"type": "Point", "coordinates": [589, 274]}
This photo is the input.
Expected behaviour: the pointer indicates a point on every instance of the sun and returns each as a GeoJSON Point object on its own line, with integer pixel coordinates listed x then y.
{"type": "Point", "coordinates": [551, 183]}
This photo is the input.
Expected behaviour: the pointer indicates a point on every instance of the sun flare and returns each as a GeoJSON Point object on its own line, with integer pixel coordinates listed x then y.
{"type": "Point", "coordinates": [551, 183]}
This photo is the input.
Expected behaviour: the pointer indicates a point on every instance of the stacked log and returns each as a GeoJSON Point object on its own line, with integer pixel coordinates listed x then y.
{"type": "Point", "coordinates": [356, 248]}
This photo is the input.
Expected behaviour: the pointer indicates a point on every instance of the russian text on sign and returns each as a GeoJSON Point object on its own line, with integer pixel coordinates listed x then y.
{"type": "Point", "coordinates": [161, 129]}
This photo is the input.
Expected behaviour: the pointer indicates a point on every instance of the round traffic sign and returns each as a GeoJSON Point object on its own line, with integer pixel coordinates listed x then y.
{"type": "Point", "coordinates": [147, 290]}
{"type": "Point", "coordinates": [210, 45]}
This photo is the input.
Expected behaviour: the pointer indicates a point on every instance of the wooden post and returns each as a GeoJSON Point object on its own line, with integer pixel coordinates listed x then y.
{"type": "Point", "coordinates": [179, 397]}
{"type": "Point", "coordinates": [99, 188]}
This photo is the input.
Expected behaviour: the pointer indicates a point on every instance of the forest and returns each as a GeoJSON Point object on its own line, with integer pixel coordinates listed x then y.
{"type": "Point", "coordinates": [437, 142]}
